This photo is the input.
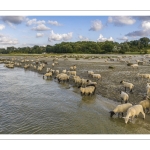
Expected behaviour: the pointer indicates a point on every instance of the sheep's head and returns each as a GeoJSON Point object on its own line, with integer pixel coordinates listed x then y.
{"type": "Point", "coordinates": [112, 113]}
{"type": "Point", "coordinates": [126, 119]}
{"type": "Point", "coordinates": [121, 81]}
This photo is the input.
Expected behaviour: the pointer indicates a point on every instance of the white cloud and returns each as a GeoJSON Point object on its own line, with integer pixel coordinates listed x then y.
{"type": "Point", "coordinates": [2, 27]}
{"type": "Point", "coordinates": [40, 27]}
{"type": "Point", "coordinates": [60, 37]}
{"type": "Point", "coordinates": [96, 25]}
{"type": "Point", "coordinates": [82, 38]}
{"type": "Point", "coordinates": [121, 20]}
{"type": "Point", "coordinates": [55, 23]}
{"type": "Point", "coordinates": [6, 40]}
{"type": "Point", "coordinates": [39, 34]}
{"type": "Point", "coordinates": [146, 25]}
{"type": "Point", "coordinates": [34, 21]}
{"type": "Point", "coordinates": [102, 39]}
{"type": "Point", "coordinates": [145, 31]}
{"type": "Point", "coordinates": [123, 38]}
{"type": "Point", "coordinates": [13, 19]}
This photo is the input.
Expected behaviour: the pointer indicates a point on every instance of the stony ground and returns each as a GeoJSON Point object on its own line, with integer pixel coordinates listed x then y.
{"type": "Point", "coordinates": [109, 86]}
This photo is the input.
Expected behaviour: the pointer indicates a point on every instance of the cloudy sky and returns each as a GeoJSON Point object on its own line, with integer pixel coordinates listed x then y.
{"type": "Point", "coordinates": [21, 31]}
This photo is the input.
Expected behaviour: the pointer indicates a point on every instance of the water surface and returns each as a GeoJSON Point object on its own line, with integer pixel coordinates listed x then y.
{"type": "Point", "coordinates": [30, 104]}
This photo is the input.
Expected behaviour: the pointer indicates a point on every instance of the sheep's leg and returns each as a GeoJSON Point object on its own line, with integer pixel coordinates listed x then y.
{"type": "Point", "coordinates": [143, 114]}
{"type": "Point", "coordinates": [147, 111]}
{"type": "Point", "coordinates": [118, 114]}
{"type": "Point", "coordinates": [131, 91]}
{"type": "Point", "coordinates": [122, 114]}
{"type": "Point", "coordinates": [121, 100]}
{"type": "Point", "coordinates": [132, 118]}
{"type": "Point", "coordinates": [125, 89]}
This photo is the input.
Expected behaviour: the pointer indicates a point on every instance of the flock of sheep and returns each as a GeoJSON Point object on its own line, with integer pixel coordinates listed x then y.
{"type": "Point", "coordinates": [87, 86]}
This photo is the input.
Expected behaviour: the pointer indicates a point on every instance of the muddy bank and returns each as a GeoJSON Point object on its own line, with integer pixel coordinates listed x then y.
{"type": "Point", "coordinates": [109, 86]}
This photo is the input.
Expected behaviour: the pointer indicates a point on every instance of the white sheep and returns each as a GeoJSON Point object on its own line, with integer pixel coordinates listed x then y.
{"type": "Point", "coordinates": [56, 72]}
{"type": "Point", "coordinates": [72, 73]}
{"type": "Point", "coordinates": [53, 64]}
{"type": "Point", "coordinates": [145, 104]}
{"type": "Point", "coordinates": [48, 74]}
{"type": "Point", "coordinates": [97, 76]}
{"type": "Point", "coordinates": [120, 109]}
{"type": "Point", "coordinates": [57, 76]}
{"type": "Point", "coordinates": [124, 96]}
{"type": "Point", "coordinates": [127, 85]}
{"type": "Point", "coordinates": [134, 111]}
{"type": "Point", "coordinates": [134, 65]}
{"type": "Point", "coordinates": [73, 68]}
{"type": "Point", "coordinates": [90, 73]}
{"type": "Point", "coordinates": [48, 69]}
{"type": "Point", "coordinates": [148, 89]}
{"type": "Point", "coordinates": [84, 82]}
{"type": "Point", "coordinates": [89, 90]}
{"type": "Point", "coordinates": [77, 80]}
{"type": "Point", "coordinates": [89, 82]}
{"type": "Point", "coordinates": [64, 71]}
{"type": "Point", "coordinates": [147, 76]}
{"type": "Point", "coordinates": [63, 77]}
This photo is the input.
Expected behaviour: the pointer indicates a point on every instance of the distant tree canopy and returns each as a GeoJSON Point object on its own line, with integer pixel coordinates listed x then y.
{"type": "Point", "coordinates": [88, 47]}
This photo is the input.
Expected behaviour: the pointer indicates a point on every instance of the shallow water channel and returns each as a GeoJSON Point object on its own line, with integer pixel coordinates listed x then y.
{"type": "Point", "coordinates": [30, 104]}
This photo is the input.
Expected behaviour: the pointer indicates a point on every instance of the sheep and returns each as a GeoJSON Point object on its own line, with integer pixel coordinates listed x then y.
{"type": "Point", "coordinates": [148, 89]}
{"type": "Point", "coordinates": [39, 68]}
{"type": "Point", "coordinates": [26, 66]}
{"type": "Point", "coordinates": [48, 74]}
{"type": "Point", "coordinates": [87, 90]}
{"type": "Point", "coordinates": [124, 96]}
{"type": "Point", "coordinates": [48, 69]}
{"type": "Point", "coordinates": [84, 82]}
{"type": "Point", "coordinates": [73, 68]}
{"type": "Point", "coordinates": [120, 109]}
{"type": "Point", "coordinates": [89, 82]}
{"type": "Point", "coordinates": [56, 77]}
{"type": "Point", "coordinates": [147, 76]}
{"type": "Point", "coordinates": [72, 73]}
{"type": "Point", "coordinates": [56, 63]}
{"type": "Point", "coordinates": [56, 72]}
{"type": "Point", "coordinates": [90, 73]}
{"type": "Point", "coordinates": [53, 64]}
{"type": "Point", "coordinates": [64, 71]}
{"type": "Point", "coordinates": [134, 111]}
{"type": "Point", "coordinates": [77, 80]}
{"type": "Point", "coordinates": [145, 104]}
{"type": "Point", "coordinates": [134, 65]}
{"type": "Point", "coordinates": [98, 76]}
{"type": "Point", "coordinates": [127, 85]}
{"type": "Point", "coordinates": [63, 77]}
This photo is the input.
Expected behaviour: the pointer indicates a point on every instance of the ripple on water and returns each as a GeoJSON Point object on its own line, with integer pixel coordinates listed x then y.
{"type": "Point", "coordinates": [31, 105]}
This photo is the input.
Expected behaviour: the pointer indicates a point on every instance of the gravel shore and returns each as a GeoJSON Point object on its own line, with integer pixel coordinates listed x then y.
{"type": "Point", "coordinates": [109, 86]}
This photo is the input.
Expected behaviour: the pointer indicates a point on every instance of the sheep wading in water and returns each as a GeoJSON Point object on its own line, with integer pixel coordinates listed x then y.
{"type": "Point", "coordinates": [134, 111]}
{"type": "Point", "coordinates": [88, 90]}
{"type": "Point", "coordinates": [120, 109]}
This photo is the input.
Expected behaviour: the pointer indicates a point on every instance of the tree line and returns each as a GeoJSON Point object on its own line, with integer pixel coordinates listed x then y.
{"type": "Point", "coordinates": [89, 47]}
